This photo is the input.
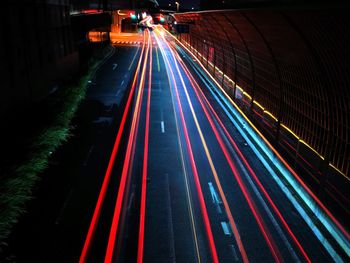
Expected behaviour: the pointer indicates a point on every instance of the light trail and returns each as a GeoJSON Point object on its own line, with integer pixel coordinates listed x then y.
{"type": "Point", "coordinates": [120, 196]}
{"type": "Point", "coordinates": [144, 167]}
{"type": "Point", "coordinates": [270, 242]}
{"type": "Point", "coordinates": [102, 194]}
{"type": "Point", "coordinates": [217, 181]}
{"type": "Point", "coordinates": [194, 168]}
{"type": "Point", "coordinates": [335, 228]}
{"type": "Point", "coordinates": [254, 210]}
{"type": "Point", "coordinates": [157, 59]}
{"type": "Point", "coordinates": [185, 174]}
{"type": "Point", "coordinates": [256, 179]}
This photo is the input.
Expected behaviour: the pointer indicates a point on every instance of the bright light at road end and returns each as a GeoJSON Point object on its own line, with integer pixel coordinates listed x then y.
{"type": "Point", "coordinates": [175, 23]}
{"type": "Point", "coordinates": [161, 19]}
{"type": "Point", "coordinates": [132, 15]}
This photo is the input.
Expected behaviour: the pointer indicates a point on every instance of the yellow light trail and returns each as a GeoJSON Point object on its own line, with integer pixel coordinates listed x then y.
{"type": "Point", "coordinates": [268, 144]}
{"type": "Point", "coordinates": [185, 173]}
{"type": "Point", "coordinates": [214, 171]}
{"type": "Point", "coordinates": [157, 59]}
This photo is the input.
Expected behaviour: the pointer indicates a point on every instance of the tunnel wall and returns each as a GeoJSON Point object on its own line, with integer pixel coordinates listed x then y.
{"type": "Point", "coordinates": [289, 71]}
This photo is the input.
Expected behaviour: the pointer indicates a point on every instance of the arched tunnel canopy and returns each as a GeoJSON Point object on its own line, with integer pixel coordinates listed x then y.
{"type": "Point", "coordinates": [294, 63]}
{"type": "Point", "coordinates": [292, 67]}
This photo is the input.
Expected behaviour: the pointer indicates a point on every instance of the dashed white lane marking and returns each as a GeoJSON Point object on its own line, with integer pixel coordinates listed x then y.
{"type": "Point", "coordinates": [215, 198]}
{"type": "Point", "coordinates": [122, 83]}
{"type": "Point", "coordinates": [234, 253]}
{"type": "Point", "coordinates": [115, 65]}
{"type": "Point", "coordinates": [162, 126]}
{"type": "Point", "coordinates": [226, 228]}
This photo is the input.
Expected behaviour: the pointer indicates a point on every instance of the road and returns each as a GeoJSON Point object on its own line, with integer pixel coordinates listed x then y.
{"type": "Point", "coordinates": [192, 188]}
{"type": "Point", "coordinates": [162, 168]}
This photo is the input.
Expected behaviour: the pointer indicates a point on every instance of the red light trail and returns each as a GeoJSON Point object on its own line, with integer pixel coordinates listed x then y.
{"type": "Point", "coordinates": [144, 167]}
{"type": "Point", "coordinates": [189, 101]}
{"type": "Point", "coordinates": [120, 197]}
{"type": "Point", "coordinates": [102, 194]}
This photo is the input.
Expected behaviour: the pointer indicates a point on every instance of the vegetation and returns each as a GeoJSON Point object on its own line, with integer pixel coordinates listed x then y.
{"type": "Point", "coordinates": [18, 181]}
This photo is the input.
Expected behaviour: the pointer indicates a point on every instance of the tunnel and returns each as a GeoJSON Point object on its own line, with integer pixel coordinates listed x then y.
{"type": "Point", "coordinates": [288, 70]}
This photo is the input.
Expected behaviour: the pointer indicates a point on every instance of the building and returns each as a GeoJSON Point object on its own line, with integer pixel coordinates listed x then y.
{"type": "Point", "coordinates": [37, 50]}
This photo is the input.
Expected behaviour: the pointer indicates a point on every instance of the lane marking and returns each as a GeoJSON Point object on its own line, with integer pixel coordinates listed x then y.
{"type": "Point", "coordinates": [121, 84]}
{"type": "Point", "coordinates": [213, 193]}
{"type": "Point", "coordinates": [115, 65]}
{"type": "Point", "coordinates": [157, 59]}
{"type": "Point", "coordinates": [225, 228]}
{"type": "Point", "coordinates": [234, 253]}
{"type": "Point", "coordinates": [215, 198]}
{"type": "Point", "coordinates": [162, 126]}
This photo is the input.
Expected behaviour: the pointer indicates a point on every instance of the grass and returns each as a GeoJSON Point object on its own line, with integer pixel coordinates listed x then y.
{"type": "Point", "coordinates": [18, 181]}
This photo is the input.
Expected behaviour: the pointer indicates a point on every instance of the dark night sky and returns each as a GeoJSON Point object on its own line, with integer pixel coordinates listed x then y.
{"type": "Point", "coordinates": [184, 3]}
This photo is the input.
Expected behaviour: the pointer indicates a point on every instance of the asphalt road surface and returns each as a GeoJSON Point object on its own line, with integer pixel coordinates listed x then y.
{"type": "Point", "coordinates": [191, 188]}
{"type": "Point", "coordinates": [168, 174]}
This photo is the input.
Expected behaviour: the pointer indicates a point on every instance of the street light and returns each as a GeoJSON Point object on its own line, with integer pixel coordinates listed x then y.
{"type": "Point", "coordinates": [177, 6]}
